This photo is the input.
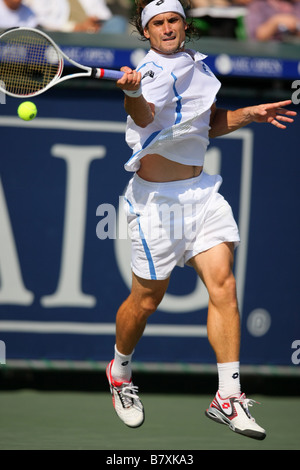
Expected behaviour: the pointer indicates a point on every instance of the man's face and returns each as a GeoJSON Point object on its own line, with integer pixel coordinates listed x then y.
{"type": "Point", "coordinates": [13, 4]}
{"type": "Point", "coordinates": [166, 32]}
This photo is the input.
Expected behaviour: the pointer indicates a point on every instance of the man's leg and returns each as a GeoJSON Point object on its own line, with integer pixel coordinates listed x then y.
{"type": "Point", "coordinates": [223, 329]}
{"type": "Point", "coordinates": [214, 266]}
{"type": "Point", "coordinates": [131, 320]}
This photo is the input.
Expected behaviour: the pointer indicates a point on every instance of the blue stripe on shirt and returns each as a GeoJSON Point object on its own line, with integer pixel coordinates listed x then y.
{"type": "Point", "coordinates": [150, 62]}
{"type": "Point", "coordinates": [178, 104]}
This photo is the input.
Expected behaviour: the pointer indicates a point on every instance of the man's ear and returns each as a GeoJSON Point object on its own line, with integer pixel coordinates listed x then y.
{"type": "Point", "coordinates": [146, 33]}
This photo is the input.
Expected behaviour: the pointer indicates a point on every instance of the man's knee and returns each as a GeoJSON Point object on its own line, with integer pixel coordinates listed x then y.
{"type": "Point", "coordinates": [149, 305]}
{"type": "Point", "coordinates": [224, 289]}
{"type": "Point", "coordinates": [141, 306]}
{"type": "Point", "coordinates": [147, 295]}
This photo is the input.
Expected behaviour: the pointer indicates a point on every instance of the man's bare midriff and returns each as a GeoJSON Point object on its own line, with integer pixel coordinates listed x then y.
{"type": "Point", "coordinates": [158, 169]}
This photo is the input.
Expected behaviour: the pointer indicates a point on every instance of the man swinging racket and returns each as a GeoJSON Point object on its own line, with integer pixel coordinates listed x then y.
{"type": "Point", "coordinates": [171, 104]}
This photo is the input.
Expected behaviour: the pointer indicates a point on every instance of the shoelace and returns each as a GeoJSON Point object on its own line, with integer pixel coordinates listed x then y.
{"type": "Point", "coordinates": [245, 402]}
{"type": "Point", "coordinates": [127, 394]}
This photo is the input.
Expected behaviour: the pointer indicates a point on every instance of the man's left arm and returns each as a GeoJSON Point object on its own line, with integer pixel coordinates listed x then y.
{"type": "Point", "coordinates": [224, 121]}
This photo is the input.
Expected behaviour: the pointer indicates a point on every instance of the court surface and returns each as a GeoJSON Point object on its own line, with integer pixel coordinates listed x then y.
{"type": "Point", "coordinates": [38, 420]}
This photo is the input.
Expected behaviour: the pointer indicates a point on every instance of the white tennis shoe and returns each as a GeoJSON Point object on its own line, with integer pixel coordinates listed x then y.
{"type": "Point", "coordinates": [125, 400]}
{"type": "Point", "coordinates": [233, 411]}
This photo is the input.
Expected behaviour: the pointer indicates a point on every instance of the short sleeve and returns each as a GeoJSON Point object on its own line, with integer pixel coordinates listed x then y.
{"type": "Point", "coordinates": [155, 85]}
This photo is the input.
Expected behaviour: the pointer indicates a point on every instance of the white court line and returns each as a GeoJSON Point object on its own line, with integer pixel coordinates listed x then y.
{"type": "Point", "coordinates": [98, 328]}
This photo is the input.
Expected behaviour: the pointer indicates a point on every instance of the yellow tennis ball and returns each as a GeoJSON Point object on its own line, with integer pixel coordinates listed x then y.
{"type": "Point", "coordinates": [27, 111]}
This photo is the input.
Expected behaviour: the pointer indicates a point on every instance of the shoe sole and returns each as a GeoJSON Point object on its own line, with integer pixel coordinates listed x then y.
{"type": "Point", "coordinates": [218, 417]}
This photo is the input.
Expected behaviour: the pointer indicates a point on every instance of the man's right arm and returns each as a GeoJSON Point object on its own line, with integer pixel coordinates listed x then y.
{"type": "Point", "coordinates": [138, 108]}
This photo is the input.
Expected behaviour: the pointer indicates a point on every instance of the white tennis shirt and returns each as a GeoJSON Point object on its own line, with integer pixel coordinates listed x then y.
{"type": "Point", "coordinates": [183, 89]}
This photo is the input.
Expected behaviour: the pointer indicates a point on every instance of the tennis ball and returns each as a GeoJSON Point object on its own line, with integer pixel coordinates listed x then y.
{"type": "Point", "coordinates": [27, 111]}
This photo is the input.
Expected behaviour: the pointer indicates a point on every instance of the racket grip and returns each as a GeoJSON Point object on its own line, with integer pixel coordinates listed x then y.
{"type": "Point", "coordinates": [108, 74]}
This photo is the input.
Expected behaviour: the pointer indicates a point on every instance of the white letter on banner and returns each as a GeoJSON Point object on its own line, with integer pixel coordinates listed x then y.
{"type": "Point", "coordinates": [12, 289]}
{"type": "Point", "coordinates": [69, 292]}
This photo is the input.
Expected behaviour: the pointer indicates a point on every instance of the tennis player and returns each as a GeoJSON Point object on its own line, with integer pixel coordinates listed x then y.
{"type": "Point", "coordinates": [171, 104]}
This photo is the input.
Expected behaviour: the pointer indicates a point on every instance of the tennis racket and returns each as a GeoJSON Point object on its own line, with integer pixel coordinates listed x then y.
{"type": "Point", "coordinates": [31, 63]}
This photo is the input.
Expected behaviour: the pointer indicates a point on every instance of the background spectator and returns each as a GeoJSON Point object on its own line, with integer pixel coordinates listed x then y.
{"type": "Point", "coordinates": [210, 3]}
{"type": "Point", "coordinates": [273, 19]}
{"type": "Point", "coordinates": [219, 18]}
{"type": "Point", "coordinates": [91, 16]}
{"type": "Point", "coordinates": [240, 3]}
{"type": "Point", "coordinates": [15, 13]}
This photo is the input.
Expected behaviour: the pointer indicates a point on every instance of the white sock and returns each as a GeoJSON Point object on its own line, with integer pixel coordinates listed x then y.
{"type": "Point", "coordinates": [229, 379]}
{"type": "Point", "coordinates": [121, 368]}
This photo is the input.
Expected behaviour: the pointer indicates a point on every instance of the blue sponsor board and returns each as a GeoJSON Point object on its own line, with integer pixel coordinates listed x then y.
{"type": "Point", "coordinates": [223, 64]}
{"type": "Point", "coordinates": [260, 67]}
{"type": "Point", "coordinates": [65, 253]}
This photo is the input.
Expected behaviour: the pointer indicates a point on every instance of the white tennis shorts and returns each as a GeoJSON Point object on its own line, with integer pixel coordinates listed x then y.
{"type": "Point", "coordinates": [171, 222]}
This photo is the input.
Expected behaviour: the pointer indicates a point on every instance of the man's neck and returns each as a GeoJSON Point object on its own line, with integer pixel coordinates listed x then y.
{"type": "Point", "coordinates": [181, 48]}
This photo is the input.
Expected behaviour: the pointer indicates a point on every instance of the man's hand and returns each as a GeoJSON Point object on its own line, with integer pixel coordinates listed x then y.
{"type": "Point", "coordinates": [131, 79]}
{"type": "Point", "coordinates": [272, 113]}
{"type": "Point", "coordinates": [224, 121]}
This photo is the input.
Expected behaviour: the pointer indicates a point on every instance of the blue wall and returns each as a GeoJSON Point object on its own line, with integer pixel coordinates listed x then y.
{"type": "Point", "coordinates": [60, 285]}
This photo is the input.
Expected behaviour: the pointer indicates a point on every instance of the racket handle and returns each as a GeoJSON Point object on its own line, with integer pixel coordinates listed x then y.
{"type": "Point", "coordinates": [108, 74]}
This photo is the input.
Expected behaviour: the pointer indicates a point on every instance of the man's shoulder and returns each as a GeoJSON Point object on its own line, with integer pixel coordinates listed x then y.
{"type": "Point", "coordinates": [150, 58]}
{"type": "Point", "coordinates": [151, 66]}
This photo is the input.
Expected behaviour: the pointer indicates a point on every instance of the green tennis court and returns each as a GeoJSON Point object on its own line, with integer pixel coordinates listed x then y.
{"type": "Point", "coordinates": [56, 420]}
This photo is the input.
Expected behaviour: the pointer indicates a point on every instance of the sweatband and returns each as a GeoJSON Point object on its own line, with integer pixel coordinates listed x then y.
{"type": "Point", "coordinates": [161, 6]}
{"type": "Point", "coordinates": [133, 93]}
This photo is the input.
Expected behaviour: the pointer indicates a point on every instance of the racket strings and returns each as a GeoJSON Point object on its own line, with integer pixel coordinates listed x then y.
{"type": "Point", "coordinates": [28, 62]}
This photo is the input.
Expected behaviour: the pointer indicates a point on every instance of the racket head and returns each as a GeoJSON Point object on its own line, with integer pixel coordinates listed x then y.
{"type": "Point", "coordinates": [30, 62]}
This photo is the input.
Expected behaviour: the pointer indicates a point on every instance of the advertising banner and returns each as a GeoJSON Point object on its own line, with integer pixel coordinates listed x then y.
{"type": "Point", "coordinates": [65, 249]}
